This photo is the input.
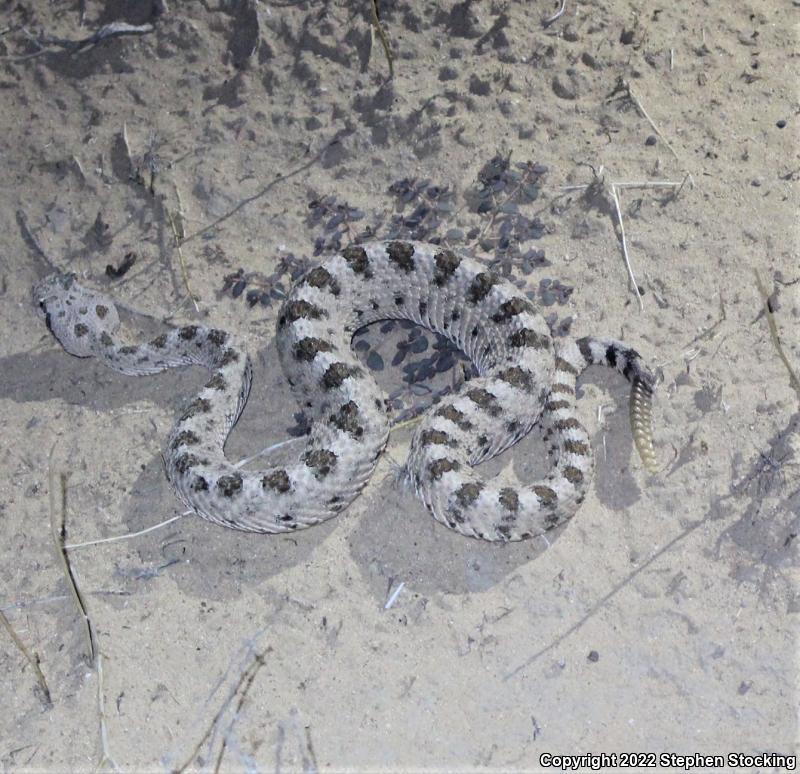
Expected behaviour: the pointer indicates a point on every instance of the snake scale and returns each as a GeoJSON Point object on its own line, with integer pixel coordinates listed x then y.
{"type": "Point", "coordinates": [525, 377]}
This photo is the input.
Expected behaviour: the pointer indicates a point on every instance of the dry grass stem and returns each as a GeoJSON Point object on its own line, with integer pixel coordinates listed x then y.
{"type": "Point", "coordinates": [127, 535]}
{"type": "Point", "coordinates": [794, 382]}
{"type": "Point", "coordinates": [381, 33]}
{"type": "Point", "coordinates": [31, 658]}
{"type": "Point", "coordinates": [244, 683]}
{"type": "Point", "coordinates": [557, 15]}
{"type": "Point", "coordinates": [624, 243]}
{"type": "Point", "coordinates": [107, 761]}
{"type": "Point", "coordinates": [58, 532]}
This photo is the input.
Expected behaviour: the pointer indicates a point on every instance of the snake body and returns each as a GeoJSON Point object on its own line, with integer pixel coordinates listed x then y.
{"type": "Point", "coordinates": [525, 377]}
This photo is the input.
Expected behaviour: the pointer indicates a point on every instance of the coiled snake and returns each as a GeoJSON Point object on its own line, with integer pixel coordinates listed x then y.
{"type": "Point", "coordinates": [525, 377]}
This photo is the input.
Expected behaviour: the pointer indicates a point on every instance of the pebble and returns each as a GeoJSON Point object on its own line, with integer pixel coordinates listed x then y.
{"type": "Point", "coordinates": [570, 34]}
{"type": "Point", "coordinates": [479, 87]}
{"type": "Point", "coordinates": [590, 61]}
{"type": "Point", "coordinates": [238, 288]}
{"type": "Point", "coordinates": [564, 87]}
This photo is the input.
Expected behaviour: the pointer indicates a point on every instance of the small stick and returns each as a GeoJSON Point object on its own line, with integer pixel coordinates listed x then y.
{"type": "Point", "coordinates": [794, 382]}
{"type": "Point", "coordinates": [557, 15]}
{"type": "Point", "coordinates": [646, 115]}
{"type": "Point", "coordinates": [107, 759]}
{"type": "Point", "coordinates": [710, 332]}
{"type": "Point", "coordinates": [32, 659]}
{"type": "Point", "coordinates": [268, 187]}
{"type": "Point", "coordinates": [184, 272]}
{"type": "Point", "coordinates": [633, 184]}
{"type": "Point", "coordinates": [113, 30]}
{"type": "Point", "coordinates": [77, 162]}
{"type": "Point", "coordinates": [255, 666]}
{"type": "Point", "coordinates": [127, 535]}
{"type": "Point", "coordinates": [378, 27]}
{"type": "Point", "coordinates": [614, 188]}
{"type": "Point", "coordinates": [615, 197]}
{"type": "Point", "coordinates": [127, 145]}
{"type": "Point", "coordinates": [47, 43]}
{"type": "Point", "coordinates": [393, 598]}
{"type": "Point", "coordinates": [245, 679]}
{"type": "Point", "coordinates": [655, 183]}
{"type": "Point", "coordinates": [58, 539]}
{"type": "Point", "coordinates": [672, 59]}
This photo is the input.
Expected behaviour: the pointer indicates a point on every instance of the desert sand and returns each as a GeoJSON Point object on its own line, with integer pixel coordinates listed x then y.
{"type": "Point", "coordinates": [215, 149]}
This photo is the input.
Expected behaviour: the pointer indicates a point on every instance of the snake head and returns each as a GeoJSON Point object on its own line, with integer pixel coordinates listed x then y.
{"type": "Point", "coordinates": [47, 294]}
{"type": "Point", "coordinates": [79, 318]}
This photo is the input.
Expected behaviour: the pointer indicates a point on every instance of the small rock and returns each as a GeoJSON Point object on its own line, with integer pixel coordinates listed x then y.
{"type": "Point", "coordinates": [651, 140]}
{"type": "Point", "coordinates": [590, 61]}
{"type": "Point", "coordinates": [479, 87]}
{"type": "Point", "coordinates": [570, 34]}
{"type": "Point", "coordinates": [564, 88]}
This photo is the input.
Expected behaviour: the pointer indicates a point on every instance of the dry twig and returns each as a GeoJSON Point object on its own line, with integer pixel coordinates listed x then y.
{"type": "Point", "coordinates": [58, 533]}
{"type": "Point", "coordinates": [557, 15]}
{"type": "Point", "coordinates": [184, 272]}
{"type": "Point", "coordinates": [627, 89]}
{"type": "Point", "coordinates": [127, 535]}
{"type": "Point", "coordinates": [107, 759]}
{"type": "Point", "coordinates": [378, 28]}
{"type": "Point", "coordinates": [267, 188]}
{"type": "Point", "coordinates": [244, 683]}
{"type": "Point", "coordinates": [615, 199]}
{"type": "Point", "coordinates": [253, 671]}
{"type": "Point", "coordinates": [48, 44]}
{"type": "Point", "coordinates": [612, 192]}
{"type": "Point", "coordinates": [31, 658]}
{"type": "Point", "coordinates": [794, 382]}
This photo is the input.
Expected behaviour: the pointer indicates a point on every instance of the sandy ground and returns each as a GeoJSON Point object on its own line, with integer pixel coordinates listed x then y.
{"type": "Point", "coordinates": [662, 619]}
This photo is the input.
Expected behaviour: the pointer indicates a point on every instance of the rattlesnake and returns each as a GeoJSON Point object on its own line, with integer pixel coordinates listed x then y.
{"type": "Point", "coordinates": [525, 377]}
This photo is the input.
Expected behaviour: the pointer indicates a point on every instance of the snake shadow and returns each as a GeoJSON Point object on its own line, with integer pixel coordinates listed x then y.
{"type": "Point", "coordinates": [395, 539]}
{"type": "Point", "coordinates": [203, 559]}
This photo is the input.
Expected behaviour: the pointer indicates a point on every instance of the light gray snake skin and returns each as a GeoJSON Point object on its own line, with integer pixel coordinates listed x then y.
{"type": "Point", "coordinates": [525, 377]}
